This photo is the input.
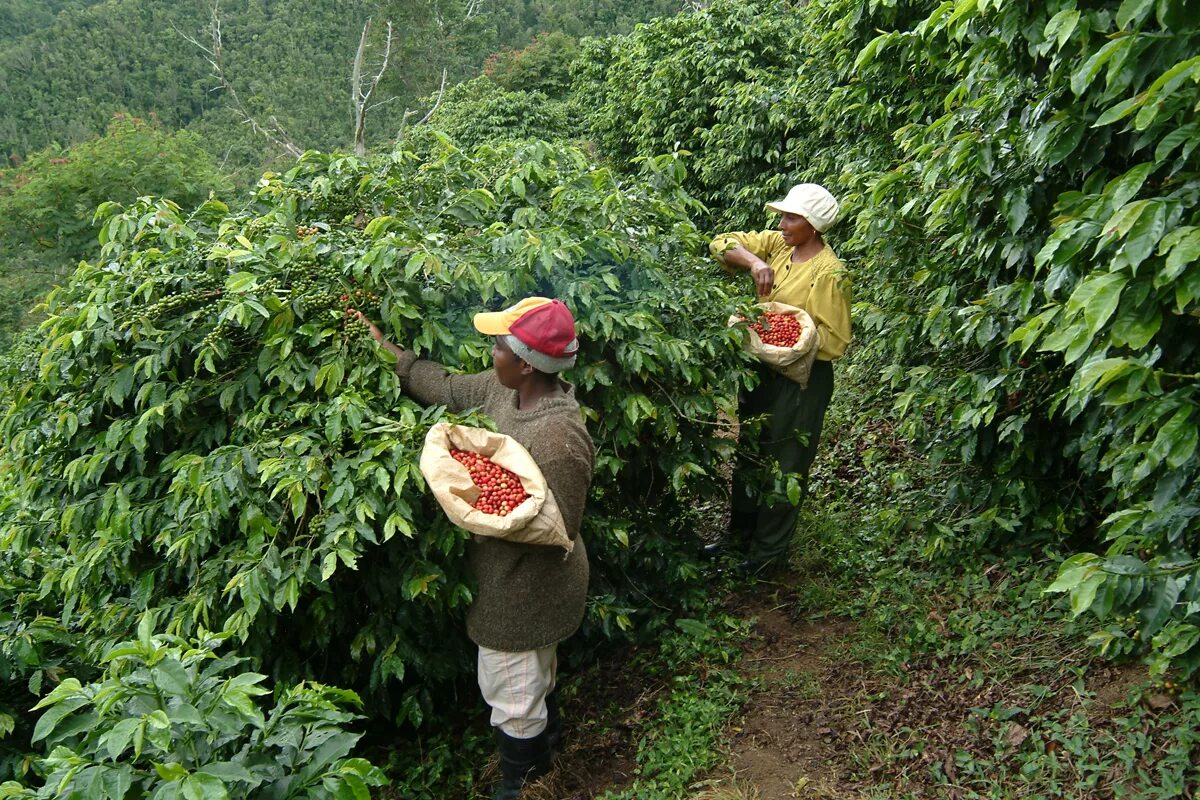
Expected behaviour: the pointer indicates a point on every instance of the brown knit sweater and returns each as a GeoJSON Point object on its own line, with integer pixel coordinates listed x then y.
{"type": "Point", "coordinates": [529, 596]}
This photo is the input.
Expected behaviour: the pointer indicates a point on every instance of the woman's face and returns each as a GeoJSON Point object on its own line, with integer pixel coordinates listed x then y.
{"type": "Point", "coordinates": [796, 230]}
{"type": "Point", "coordinates": [509, 368]}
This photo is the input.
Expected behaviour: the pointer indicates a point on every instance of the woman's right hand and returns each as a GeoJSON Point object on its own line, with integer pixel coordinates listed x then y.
{"type": "Point", "coordinates": [376, 334]}
{"type": "Point", "coordinates": [764, 278]}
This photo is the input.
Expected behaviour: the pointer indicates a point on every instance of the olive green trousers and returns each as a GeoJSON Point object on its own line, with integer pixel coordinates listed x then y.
{"type": "Point", "coordinates": [790, 431]}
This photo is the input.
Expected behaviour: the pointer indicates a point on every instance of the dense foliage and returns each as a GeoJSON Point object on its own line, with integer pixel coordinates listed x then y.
{"type": "Point", "coordinates": [47, 204]}
{"type": "Point", "coordinates": [479, 111]}
{"type": "Point", "coordinates": [289, 60]}
{"type": "Point", "coordinates": [544, 65]}
{"type": "Point", "coordinates": [19, 17]}
{"type": "Point", "coordinates": [172, 719]}
{"type": "Point", "coordinates": [1060, 296]}
{"type": "Point", "coordinates": [195, 433]}
{"type": "Point", "coordinates": [1020, 195]}
{"type": "Point", "coordinates": [196, 439]}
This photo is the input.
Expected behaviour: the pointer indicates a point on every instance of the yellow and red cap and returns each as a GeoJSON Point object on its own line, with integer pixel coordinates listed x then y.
{"type": "Point", "coordinates": [540, 331]}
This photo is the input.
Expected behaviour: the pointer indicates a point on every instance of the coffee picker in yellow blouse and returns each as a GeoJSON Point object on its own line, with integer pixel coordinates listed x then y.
{"type": "Point", "coordinates": [791, 265]}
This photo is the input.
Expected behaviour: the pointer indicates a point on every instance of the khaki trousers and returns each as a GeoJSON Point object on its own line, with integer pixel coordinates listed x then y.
{"type": "Point", "coordinates": [515, 685]}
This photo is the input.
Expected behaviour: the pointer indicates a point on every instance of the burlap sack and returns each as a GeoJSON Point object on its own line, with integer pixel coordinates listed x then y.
{"type": "Point", "coordinates": [538, 520]}
{"type": "Point", "coordinates": [795, 362]}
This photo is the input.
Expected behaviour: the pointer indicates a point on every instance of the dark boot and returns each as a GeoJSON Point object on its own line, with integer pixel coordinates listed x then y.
{"type": "Point", "coordinates": [521, 760]}
{"type": "Point", "coordinates": [553, 722]}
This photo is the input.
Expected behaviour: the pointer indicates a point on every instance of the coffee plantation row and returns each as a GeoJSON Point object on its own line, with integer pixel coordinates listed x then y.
{"type": "Point", "coordinates": [204, 457]}
{"type": "Point", "coordinates": [200, 446]}
{"type": "Point", "coordinates": [1022, 219]}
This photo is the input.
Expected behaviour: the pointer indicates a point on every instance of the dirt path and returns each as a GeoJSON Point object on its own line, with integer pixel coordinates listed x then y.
{"type": "Point", "coordinates": [784, 744]}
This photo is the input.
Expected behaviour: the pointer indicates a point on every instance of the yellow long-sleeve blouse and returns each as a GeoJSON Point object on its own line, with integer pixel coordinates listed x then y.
{"type": "Point", "coordinates": [820, 285]}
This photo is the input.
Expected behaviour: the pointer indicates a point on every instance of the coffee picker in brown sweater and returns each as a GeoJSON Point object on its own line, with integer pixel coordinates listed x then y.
{"type": "Point", "coordinates": [530, 597]}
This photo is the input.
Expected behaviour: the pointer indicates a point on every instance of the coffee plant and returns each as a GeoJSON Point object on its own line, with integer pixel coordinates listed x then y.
{"type": "Point", "coordinates": [199, 432]}
{"type": "Point", "coordinates": [1019, 187]}
{"type": "Point", "coordinates": [481, 111]}
{"type": "Point", "coordinates": [172, 719]}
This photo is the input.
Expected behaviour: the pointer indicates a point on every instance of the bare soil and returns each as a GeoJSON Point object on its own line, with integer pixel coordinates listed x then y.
{"type": "Point", "coordinates": [814, 725]}
{"type": "Point", "coordinates": [785, 743]}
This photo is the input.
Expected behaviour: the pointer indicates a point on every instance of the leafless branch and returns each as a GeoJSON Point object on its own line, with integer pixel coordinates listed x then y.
{"type": "Point", "coordinates": [374, 106]}
{"type": "Point", "coordinates": [438, 102]}
{"type": "Point", "coordinates": [473, 8]}
{"type": "Point", "coordinates": [274, 132]}
{"type": "Point", "coordinates": [409, 113]}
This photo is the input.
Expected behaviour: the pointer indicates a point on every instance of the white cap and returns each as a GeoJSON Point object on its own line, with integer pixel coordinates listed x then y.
{"type": "Point", "coordinates": [811, 201]}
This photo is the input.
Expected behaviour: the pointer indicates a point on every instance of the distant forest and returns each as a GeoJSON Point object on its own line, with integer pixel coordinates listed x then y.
{"type": "Point", "coordinates": [69, 65]}
{"type": "Point", "coordinates": [108, 100]}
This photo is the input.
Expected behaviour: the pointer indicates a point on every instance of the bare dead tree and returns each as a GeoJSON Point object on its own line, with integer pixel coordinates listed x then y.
{"type": "Point", "coordinates": [473, 8]}
{"type": "Point", "coordinates": [273, 131]}
{"type": "Point", "coordinates": [361, 90]}
{"type": "Point", "coordinates": [364, 81]}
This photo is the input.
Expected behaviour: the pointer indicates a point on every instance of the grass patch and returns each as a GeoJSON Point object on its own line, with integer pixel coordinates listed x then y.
{"type": "Point", "coordinates": [680, 742]}
{"type": "Point", "coordinates": [968, 681]}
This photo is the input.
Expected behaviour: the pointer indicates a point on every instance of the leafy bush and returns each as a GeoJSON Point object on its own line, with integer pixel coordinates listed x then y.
{"type": "Point", "coordinates": [200, 435]}
{"type": "Point", "coordinates": [1019, 185]}
{"type": "Point", "coordinates": [1064, 284]}
{"type": "Point", "coordinates": [479, 111]}
{"type": "Point", "coordinates": [543, 66]}
{"type": "Point", "coordinates": [46, 205]}
{"type": "Point", "coordinates": [171, 718]}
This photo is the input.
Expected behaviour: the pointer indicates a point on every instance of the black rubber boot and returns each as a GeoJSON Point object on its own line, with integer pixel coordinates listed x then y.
{"type": "Point", "coordinates": [521, 760]}
{"type": "Point", "coordinates": [553, 722]}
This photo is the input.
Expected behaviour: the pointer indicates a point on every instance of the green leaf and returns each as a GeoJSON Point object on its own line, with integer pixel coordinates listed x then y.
{"type": "Point", "coordinates": [70, 687]}
{"type": "Point", "coordinates": [118, 738]}
{"type": "Point", "coordinates": [328, 565]}
{"type": "Point", "coordinates": [1095, 375]}
{"type": "Point", "coordinates": [1175, 138]}
{"type": "Point", "coordinates": [170, 772]}
{"type": "Point", "coordinates": [1164, 595]}
{"type": "Point", "coordinates": [49, 721]}
{"type": "Point", "coordinates": [793, 490]}
{"type": "Point", "coordinates": [1083, 77]}
{"type": "Point", "coordinates": [1084, 594]}
{"type": "Point", "coordinates": [229, 771]}
{"type": "Point", "coordinates": [241, 282]}
{"type": "Point", "coordinates": [1132, 10]}
{"type": "Point", "coordinates": [695, 629]}
{"type": "Point", "coordinates": [1120, 191]}
{"type": "Point", "coordinates": [1183, 250]}
{"type": "Point", "coordinates": [352, 787]}
{"type": "Point", "coordinates": [1176, 441]}
{"type": "Point", "coordinates": [1145, 234]}
{"type": "Point", "coordinates": [171, 676]}
{"type": "Point", "coordinates": [1119, 111]}
{"type": "Point", "coordinates": [1120, 222]}
{"type": "Point", "coordinates": [1072, 571]}
{"type": "Point", "coordinates": [1098, 297]}
{"type": "Point", "coordinates": [1163, 87]}
{"type": "Point", "coordinates": [1016, 209]}
{"type": "Point", "coordinates": [868, 53]}
{"type": "Point", "coordinates": [1181, 639]}
{"type": "Point", "coordinates": [200, 786]}
{"type": "Point", "coordinates": [1061, 26]}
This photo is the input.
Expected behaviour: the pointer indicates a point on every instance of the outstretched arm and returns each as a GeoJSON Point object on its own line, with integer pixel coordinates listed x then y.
{"type": "Point", "coordinates": [429, 382]}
